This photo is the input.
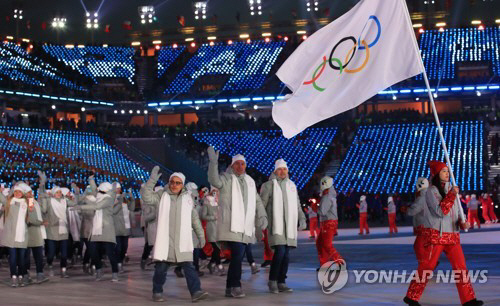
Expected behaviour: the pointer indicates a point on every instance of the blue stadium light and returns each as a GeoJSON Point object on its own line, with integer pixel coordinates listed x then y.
{"type": "Point", "coordinates": [481, 87]}
{"type": "Point", "coordinates": [257, 99]}
{"type": "Point", "coordinates": [152, 104]}
{"type": "Point", "coordinates": [469, 88]}
{"type": "Point", "coordinates": [405, 91]}
{"type": "Point", "coordinates": [199, 102]}
{"type": "Point", "coordinates": [174, 103]}
{"type": "Point", "coordinates": [221, 100]}
{"type": "Point", "coordinates": [245, 99]}
{"type": "Point", "coordinates": [210, 101]}
{"type": "Point", "coordinates": [71, 99]}
{"type": "Point", "coordinates": [280, 97]}
{"type": "Point", "coordinates": [445, 89]}
{"type": "Point", "coordinates": [187, 102]}
{"type": "Point", "coordinates": [458, 88]}
{"type": "Point", "coordinates": [269, 98]}
{"type": "Point", "coordinates": [494, 87]}
{"type": "Point", "coordinates": [166, 103]}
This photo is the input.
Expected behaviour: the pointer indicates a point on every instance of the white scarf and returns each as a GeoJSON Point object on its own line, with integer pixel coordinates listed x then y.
{"type": "Point", "coordinates": [292, 214]}
{"type": "Point", "coordinates": [97, 221]}
{"type": "Point", "coordinates": [43, 231]}
{"type": "Point", "coordinates": [75, 223]}
{"type": "Point", "coordinates": [126, 215]}
{"type": "Point", "coordinates": [161, 245]}
{"type": "Point", "coordinates": [59, 208]}
{"type": "Point", "coordinates": [21, 219]}
{"type": "Point", "coordinates": [241, 221]}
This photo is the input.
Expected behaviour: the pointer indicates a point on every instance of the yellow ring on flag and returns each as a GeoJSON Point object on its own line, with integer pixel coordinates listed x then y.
{"type": "Point", "coordinates": [367, 58]}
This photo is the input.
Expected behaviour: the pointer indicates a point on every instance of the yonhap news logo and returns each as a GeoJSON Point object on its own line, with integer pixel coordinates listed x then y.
{"type": "Point", "coordinates": [333, 276]}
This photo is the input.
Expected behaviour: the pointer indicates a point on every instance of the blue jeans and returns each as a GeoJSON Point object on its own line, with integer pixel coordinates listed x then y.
{"type": "Point", "coordinates": [248, 252]}
{"type": "Point", "coordinates": [160, 276]}
{"type": "Point", "coordinates": [16, 261]}
{"type": "Point", "coordinates": [279, 265]}
{"type": "Point", "coordinates": [100, 248]}
{"type": "Point", "coordinates": [121, 248]}
{"type": "Point", "coordinates": [63, 247]}
{"type": "Point", "coordinates": [234, 270]}
{"type": "Point", "coordinates": [37, 255]}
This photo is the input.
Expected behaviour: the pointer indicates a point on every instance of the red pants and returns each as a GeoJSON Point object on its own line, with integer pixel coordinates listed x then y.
{"type": "Point", "coordinates": [268, 252]}
{"type": "Point", "coordinates": [207, 249]}
{"type": "Point", "coordinates": [363, 223]}
{"type": "Point", "coordinates": [392, 223]}
{"type": "Point", "coordinates": [456, 257]}
{"type": "Point", "coordinates": [489, 213]}
{"type": "Point", "coordinates": [324, 243]}
{"type": "Point", "coordinates": [473, 218]}
{"type": "Point", "coordinates": [419, 245]}
{"type": "Point", "coordinates": [313, 227]}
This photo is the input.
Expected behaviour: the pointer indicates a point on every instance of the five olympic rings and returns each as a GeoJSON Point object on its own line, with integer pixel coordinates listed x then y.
{"type": "Point", "coordinates": [336, 64]}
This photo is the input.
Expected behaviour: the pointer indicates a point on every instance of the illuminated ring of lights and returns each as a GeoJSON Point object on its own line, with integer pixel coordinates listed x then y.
{"type": "Point", "coordinates": [379, 32]}
{"type": "Point", "coordinates": [367, 57]}
{"type": "Point", "coordinates": [335, 47]}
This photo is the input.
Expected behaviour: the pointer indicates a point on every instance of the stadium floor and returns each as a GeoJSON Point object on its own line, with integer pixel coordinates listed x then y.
{"type": "Point", "coordinates": [377, 251]}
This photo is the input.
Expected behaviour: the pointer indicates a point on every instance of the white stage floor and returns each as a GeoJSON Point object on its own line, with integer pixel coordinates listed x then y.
{"type": "Point", "coordinates": [376, 251]}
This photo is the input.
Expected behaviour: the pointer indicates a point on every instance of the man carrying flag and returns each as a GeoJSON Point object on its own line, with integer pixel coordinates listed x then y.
{"type": "Point", "coordinates": [340, 66]}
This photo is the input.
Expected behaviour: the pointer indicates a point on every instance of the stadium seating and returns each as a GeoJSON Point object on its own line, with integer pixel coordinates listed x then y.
{"type": "Point", "coordinates": [17, 65]}
{"type": "Point", "coordinates": [441, 51]}
{"type": "Point", "coordinates": [97, 62]}
{"type": "Point", "coordinates": [303, 153]}
{"type": "Point", "coordinates": [248, 65]}
{"type": "Point", "coordinates": [65, 155]}
{"type": "Point", "coordinates": [390, 158]}
{"type": "Point", "coordinates": [167, 56]}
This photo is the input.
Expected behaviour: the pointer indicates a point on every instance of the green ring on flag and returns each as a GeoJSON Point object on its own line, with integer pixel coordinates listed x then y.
{"type": "Point", "coordinates": [323, 65]}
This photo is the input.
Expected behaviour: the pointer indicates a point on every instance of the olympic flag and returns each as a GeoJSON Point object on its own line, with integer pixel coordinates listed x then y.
{"type": "Point", "coordinates": [340, 66]}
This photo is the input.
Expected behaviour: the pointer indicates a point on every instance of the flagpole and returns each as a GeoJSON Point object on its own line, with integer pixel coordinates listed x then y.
{"type": "Point", "coordinates": [436, 118]}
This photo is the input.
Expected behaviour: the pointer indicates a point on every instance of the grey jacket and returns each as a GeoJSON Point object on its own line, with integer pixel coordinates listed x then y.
{"type": "Point", "coordinates": [153, 198]}
{"type": "Point", "coordinates": [223, 183]}
{"type": "Point", "coordinates": [473, 204]}
{"type": "Point", "coordinates": [417, 209]}
{"type": "Point", "coordinates": [35, 238]}
{"type": "Point", "coordinates": [51, 217]}
{"type": "Point", "coordinates": [108, 226]}
{"type": "Point", "coordinates": [363, 207]}
{"type": "Point", "coordinates": [9, 227]}
{"type": "Point", "coordinates": [119, 218]}
{"type": "Point", "coordinates": [87, 215]}
{"type": "Point", "coordinates": [435, 217]}
{"type": "Point", "coordinates": [209, 214]}
{"type": "Point", "coordinates": [266, 194]}
{"type": "Point", "coordinates": [391, 208]}
{"type": "Point", "coordinates": [327, 209]}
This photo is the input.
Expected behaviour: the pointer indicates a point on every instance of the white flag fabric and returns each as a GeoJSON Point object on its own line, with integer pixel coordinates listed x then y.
{"type": "Point", "coordinates": [340, 66]}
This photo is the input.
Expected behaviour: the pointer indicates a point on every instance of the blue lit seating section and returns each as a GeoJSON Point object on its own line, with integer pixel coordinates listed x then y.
{"type": "Point", "coordinates": [389, 158]}
{"type": "Point", "coordinates": [107, 161]}
{"type": "Point", "coordinates": [247, 64]}
{"type": "Point", "coordinates": [97, 62]}
{"type": "Point", "coordinates": [441, 51]}
{"type": "Point", "coordinates": [16, 64]}
{"type": "Point", "coordinates": [262, 148]}
{"type": "Point", "coordinates": [167, 56]}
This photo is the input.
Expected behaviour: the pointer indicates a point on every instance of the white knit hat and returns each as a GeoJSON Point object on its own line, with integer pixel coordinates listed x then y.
{"type": "Point", "coordinates": [105, 187]}
{"type": "Point", "coordinates": [179, 175]}
{"type": "Point", "coordinates": [118, 185]}
{"type": "Point", "coordinates": [191, 186]}
{"type": "Point", "coordinates": [389, 200]}
{"type": "Point", "coordinates": [363, 198]}
{"type": "Point", "coordinates": [326, 183]}
{"type": "Point", "coordinates": [473, 196]}
{"type": "Point", "coordinates": [280, 163]}
{"type": "Point", "coordinates": [26, 188]}
{"type": "Point", "coordinates": [55, 189]}
{"type": "Point", "coordinates": [18, 187]}
{"type": "Point", "coordinates": [65, 191]}
{"type": "Point", "coordinates": [237, 158]}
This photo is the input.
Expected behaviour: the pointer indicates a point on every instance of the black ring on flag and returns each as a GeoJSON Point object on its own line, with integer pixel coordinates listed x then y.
{"type": "Point", "coordinates": [330, 62]}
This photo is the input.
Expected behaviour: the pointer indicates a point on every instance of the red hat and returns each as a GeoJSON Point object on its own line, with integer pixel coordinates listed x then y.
{"type": "Point", "coordinates": [436, 167]}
